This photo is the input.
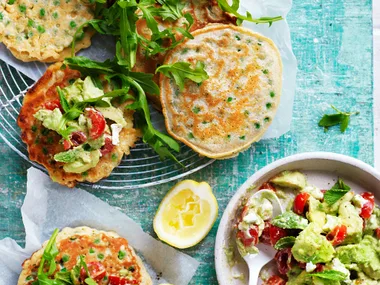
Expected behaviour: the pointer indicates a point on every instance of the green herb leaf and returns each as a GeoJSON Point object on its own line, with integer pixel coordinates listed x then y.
{"type": "Point", "coordinates": [340, 118]}
{"type": "Point", "coordinates": [179, 71]}
{"type": "Point", "coordinates": [170, 9]}
{"type": "Point", "coordinates": [48, 259]}
{"type": "Point", "coordinates": [65, 105]}
{"type": "Point", "coordinates": [285, 242]}
{"type": "Point", "coordinates": [336, 192]}
{"type": "Point", "coordinates": [330, 275]}
{"type": "Point", "coordinates": [290, 220]}
{"type": "Point", "coordinates": [233, 9]}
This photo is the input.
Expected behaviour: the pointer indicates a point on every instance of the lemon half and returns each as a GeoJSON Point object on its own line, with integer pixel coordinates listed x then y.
{"type": "Point", "coordinates": [186, 214]}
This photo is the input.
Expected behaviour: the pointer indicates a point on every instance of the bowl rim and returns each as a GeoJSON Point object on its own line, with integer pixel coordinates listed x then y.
{"type": "Point", "coordinates": [219, 240]}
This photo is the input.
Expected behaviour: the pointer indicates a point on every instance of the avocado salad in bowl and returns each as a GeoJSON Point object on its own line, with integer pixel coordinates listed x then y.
{"type": "Point", "coordinates": [325, 235]}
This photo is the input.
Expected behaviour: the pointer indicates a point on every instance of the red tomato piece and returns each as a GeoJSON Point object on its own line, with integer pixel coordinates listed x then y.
{"type": "Point", "coordinates": [267, 185]}
{"type": "Point", "coordinates": [377, 232]}
{"type": "Point", "coordinates": [248, 241]}
{"type": "Point", "coordinates": [98, 123]}
{"type": "Point", "coordinates": [367, 208]}
{"type": "Point", "coordinates": [51, 105]}
{"type": "Point", "coordinates": [337, 235]}
{"type": "Point", "coordinates": [300, 202]}
{"type": "Point", "coordinates": [108, 146]}
{"type": "Point", "coordinates": [66, 145]}
{"type": "Point", "coordinates": [265, 235]}
{"type": "Point", "coordinates": [275, 233]}
{"type": "Point", "coordinates": [96, 269]}
{"type": "Point", "coordinates": [283, 259]}
{"type": "Point", "coordinates": [275, 280]}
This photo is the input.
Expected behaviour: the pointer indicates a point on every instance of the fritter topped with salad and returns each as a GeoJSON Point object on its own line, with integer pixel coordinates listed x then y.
{"type": "Point", "coordinates": [77, 130]}
{"type": "Point", "coordinates": [324, 237]}
{"type": "Point", "coordinates": [83, 255]}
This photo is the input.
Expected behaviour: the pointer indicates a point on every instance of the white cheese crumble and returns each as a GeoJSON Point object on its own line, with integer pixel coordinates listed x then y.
{"type": "Point", "coordinates": [116, 129]}
{"type": "Point", "coordinates": [252, 218]}
{"type": "Point", "coordinates": [339, 266]}
{"type": "Point", "coordinates": [310, 267]}
{"type": "Point", "coordinates": [359, 201]}
{"type": "Point", "coordinates": [331, 222]}
{"type": "Point", "coordinates": [314, 191]}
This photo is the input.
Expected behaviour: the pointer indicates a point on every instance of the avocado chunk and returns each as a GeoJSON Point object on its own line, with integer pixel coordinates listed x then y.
{"type": "Point", "coordinates": [113, 114]}
{"type": "Point", "coordinates": [82, 90]}
{"type": "Point", "coordinates": [50, 119]}
{"type": "Point", "coordinates": [311, 246]}
{"type": "Point", "coordinates": [315, 214]}
{"type": "Point", "coordinates": [365, 254]}
{"type": "Point", "coordinates": [334, 208]}
{"type": "Point", "coordinates": [82, 163]}
{"type": "Point", "coordinates": [373, 222]}
{"type": "Point", "coordinates": [290, 179]}
{"type": "Point", "coordinates": [354, 223]}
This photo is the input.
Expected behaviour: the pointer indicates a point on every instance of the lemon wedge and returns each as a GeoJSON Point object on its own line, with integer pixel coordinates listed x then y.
{"type": "Point", "coordinates": [186, 214]}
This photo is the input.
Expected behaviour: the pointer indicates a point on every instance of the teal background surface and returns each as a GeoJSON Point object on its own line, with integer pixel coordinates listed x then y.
{"type": "Point", "coordinates": [332, 40]}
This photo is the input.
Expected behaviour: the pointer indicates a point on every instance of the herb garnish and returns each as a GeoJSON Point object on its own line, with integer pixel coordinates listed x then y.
{"type": "Point", "coordinates": [340, 118]}
{"type": "Point", "coordinates": [179, 71]}
{"type": "Point", "coordinates": [336, 192]}
{"type": "Point", "coordinates": [330, 275]}
{"type": "Point", "coordinates": [233, 9]}
{"type": "Point", "coordinates": [285, 242]}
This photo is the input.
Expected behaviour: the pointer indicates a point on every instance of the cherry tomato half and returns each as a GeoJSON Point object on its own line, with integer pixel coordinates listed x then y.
{"type": "Point", "coordinates": [367, 208]}
{"type": "Point", "coordinates": [96, 269]}
{"type": "Point", "coordinates": [275, 233]}
{"type": "Point", "coordinates": [267, 185]}
{"type": "Point", "coordinates": [66, 145]}
{"type": "Point", "coordinates": [283, 259]}
{"type": "Point", "coordinates": [337, 235]}
{"type": "Point", "coordinates": [116, 280]}
{"type": "Point", "coordinates": [98, 123]}
{"type": "Point", "coordinates": [248, 241]}
{"type": "Point", "coordinates": [275, 280]}
{"type": "Point", "coordinates": [51, 105]}
{"type": "Point", "coordinates": [265, 235]}
{"type": "Point", "coordinates": [300, 202]}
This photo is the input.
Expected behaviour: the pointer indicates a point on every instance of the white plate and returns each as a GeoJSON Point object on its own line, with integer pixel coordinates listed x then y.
{"type": "Point", "coordinates": [321, 169]}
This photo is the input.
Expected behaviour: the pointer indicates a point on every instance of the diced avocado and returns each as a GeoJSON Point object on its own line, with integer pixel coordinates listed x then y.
{"type": "Point", "coordinates": [90, 90]}
{"type": "Point", "coordinates": [51, 120]}
{"type": "Point", "coordinates": [113, 114]}
{"type": "Point", "coordinates": [315, 214]}
{"type": "Point", "coordinates": [311, 246]}
{"type": "Point", "coordinates": [96, 144]}
{"type": "Point", "coordinates": [85, 162]}
{"type": "Point", "coordinates": [373, 222]}
{"type": "Point", "coordinates": [331, 222]}
{"type": "Point", "coordinates": [82, 90]}
{"type": "Point", "coordinates": [290, 179]}
{"type": "Point", "coordinates": [365, 254]}
{"type": "Point", "coordinates": [333, 209]}
{"type": "Point", "coordinates": [298, 277]}
{"type": "Point", "coordinates": [354, 223]}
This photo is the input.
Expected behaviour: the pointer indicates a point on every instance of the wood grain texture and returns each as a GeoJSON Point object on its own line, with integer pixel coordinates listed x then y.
{"type": "Point", "coordinates": [332, 41]}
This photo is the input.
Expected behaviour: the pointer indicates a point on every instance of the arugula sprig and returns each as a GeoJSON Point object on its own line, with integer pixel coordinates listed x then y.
{"type": "Point", "coordinates": [48, 257]}
{"type": "Point", "coordinates": [336, 192]}
{"type": "Point", "coordinates": [233, 9]}
{"type": "Point", "coordinates": [179, 71]}
{"type": "Point", "coordinates": [340, 118]}
{"type": "Point", "coordinates": [139, 84]}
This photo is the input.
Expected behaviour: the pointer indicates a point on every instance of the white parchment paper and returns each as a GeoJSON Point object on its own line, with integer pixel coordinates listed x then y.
{"type": "Point", "coordinates": [48, 206]}
{"type": "Point", "coordinates": [103, 48]}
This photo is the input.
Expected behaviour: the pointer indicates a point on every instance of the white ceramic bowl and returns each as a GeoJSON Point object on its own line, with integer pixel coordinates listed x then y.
{"type": "Point", "coordinates": [321, 168]}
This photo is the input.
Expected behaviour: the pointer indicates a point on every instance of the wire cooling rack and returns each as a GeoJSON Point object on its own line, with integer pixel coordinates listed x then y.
{"type": "Point", "coordinates": [142, 168]}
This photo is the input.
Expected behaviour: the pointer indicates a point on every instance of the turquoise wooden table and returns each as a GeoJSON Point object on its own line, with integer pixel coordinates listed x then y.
{"type": "Point", "coordinates": [332, 40]}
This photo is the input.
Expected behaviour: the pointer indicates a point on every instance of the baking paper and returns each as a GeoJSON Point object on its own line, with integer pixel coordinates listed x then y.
{"type": "Point", "coordinates": [49, 205]}
{"type": "Point", "coordinates": [103, 48]}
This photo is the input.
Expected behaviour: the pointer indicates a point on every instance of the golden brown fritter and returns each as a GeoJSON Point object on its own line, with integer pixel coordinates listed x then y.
{"type": "Point", "coordinates": [43, 143]}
